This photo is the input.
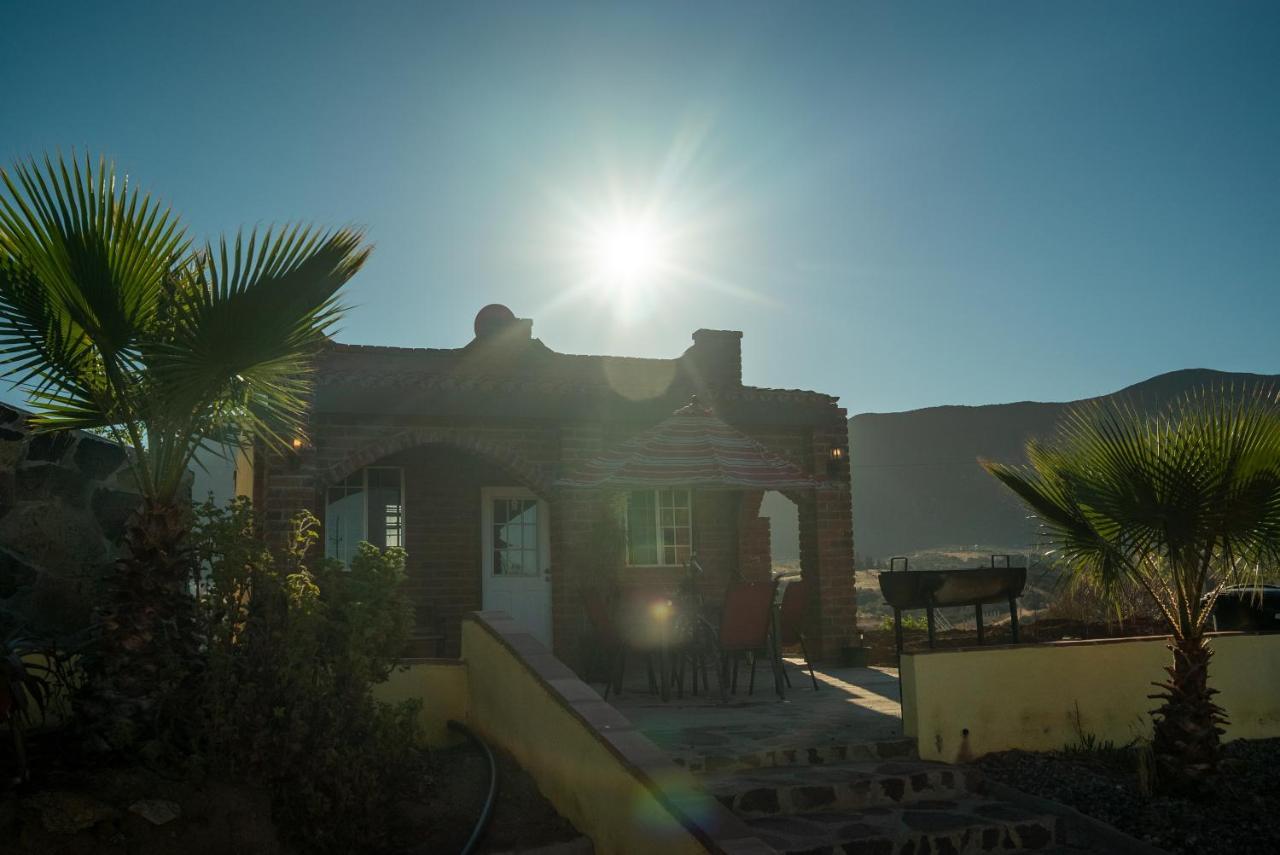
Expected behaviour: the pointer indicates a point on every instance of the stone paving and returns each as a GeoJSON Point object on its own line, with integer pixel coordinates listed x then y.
{"type": "Point", "coordinates": [855, 714]}
{"type": "Point", "coordinates": [829, 771]}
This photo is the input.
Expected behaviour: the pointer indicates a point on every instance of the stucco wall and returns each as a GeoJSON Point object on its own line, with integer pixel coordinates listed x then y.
{"type": "Point", "coordinates": [961, 704]}
{"type": "Point", "coordinates": [440, 684]}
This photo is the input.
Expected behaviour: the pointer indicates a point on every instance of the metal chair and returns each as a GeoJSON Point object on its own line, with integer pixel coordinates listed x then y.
{"type": "Point", "coordinates": [791, 620]}
{"type": "Point", "coordinates": [745, 629]}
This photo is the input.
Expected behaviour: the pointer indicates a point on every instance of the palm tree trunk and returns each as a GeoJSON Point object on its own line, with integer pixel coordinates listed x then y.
{"type": "Point", "coordinates": [1188, 723]}
{"type": "Point", "coordinates": [147, 623]}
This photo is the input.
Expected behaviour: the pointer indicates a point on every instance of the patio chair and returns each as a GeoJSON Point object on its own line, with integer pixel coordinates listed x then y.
{"type": "Point", "coordinates": [631, 624]}
{"type": "Point", "coordinates": [791, 619]}
{"type": "Point", "coordinates": [745, 630]}
{"type": "Point", "coordinates": [605, 643]}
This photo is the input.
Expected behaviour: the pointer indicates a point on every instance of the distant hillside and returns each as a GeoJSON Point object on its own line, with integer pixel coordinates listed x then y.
{"type": "Point", "coordinates": [917, 484]}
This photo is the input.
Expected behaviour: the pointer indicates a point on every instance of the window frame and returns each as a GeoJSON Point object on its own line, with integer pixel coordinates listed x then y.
{"type": "Point", "coordinates": [657, 525]}
{"type": "Point", "coordinates": [364, 510]}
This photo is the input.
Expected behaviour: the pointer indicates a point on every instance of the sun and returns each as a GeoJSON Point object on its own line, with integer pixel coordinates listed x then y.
{"type": "Point", "coordinates": [627, 253]}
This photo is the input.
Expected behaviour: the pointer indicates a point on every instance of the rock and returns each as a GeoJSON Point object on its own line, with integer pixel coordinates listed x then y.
{"type": "Point", "coordinates": [15, 573]}
{"type": "Point", "coordinates": [69, 813]}
{"type": "Point", "coordinates": [11, 447]}
{"type": "Point", "coordinates": [50, 446]}
{"type": "Point", "coordinates": [112, 508]}
{"type": "Point", "coordinates": [156, 811]}
{"type": "Point", "coordinates": [68, 551]}
{"type": "Point", "coordinates": [97, 458]}
{"type": "Point", "coordinates": [50, 481]}
{"type": "Point", "coordinates": [59, 539]}
{"type": "Point", "coordinates": [13, 418]}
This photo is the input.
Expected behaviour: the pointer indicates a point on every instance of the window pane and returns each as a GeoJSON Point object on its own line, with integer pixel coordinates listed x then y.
{"type": "Point", "coordinates": [642, 533]}
{"type": "Point", "coordinates": [343, 522]}
{"type": "Point", "coordinates": [386, 508]}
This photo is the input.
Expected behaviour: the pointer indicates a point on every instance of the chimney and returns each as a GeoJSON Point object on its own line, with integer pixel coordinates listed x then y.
{"type": "Point", "coordinates": [716, 357]}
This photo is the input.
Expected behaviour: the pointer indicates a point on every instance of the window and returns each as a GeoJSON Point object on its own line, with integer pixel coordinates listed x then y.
{"type": "Point", "coordinates": [659, 527]}
{"type": "Point", "coordinates": [368, 505]}
{"type": "Point", "coordinates": [515, 537]}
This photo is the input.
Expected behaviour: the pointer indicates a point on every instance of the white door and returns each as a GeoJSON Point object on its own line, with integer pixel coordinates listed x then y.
{"type": "Point", "coordinates": [514, 541]}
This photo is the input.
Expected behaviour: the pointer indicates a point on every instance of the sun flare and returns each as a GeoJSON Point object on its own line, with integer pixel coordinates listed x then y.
{"type": "Point", "coordinates": [627, 253]}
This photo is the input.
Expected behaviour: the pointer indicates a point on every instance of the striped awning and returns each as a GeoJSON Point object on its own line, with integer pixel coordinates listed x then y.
{"type": "Point", "coordinates": [691, 448]}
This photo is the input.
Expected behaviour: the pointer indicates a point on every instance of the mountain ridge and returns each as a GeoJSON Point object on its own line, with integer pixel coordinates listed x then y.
{"type": "Point", "coordinates": [917, 484]}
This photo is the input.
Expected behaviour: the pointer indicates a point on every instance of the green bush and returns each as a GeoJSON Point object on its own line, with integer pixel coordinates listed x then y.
{"type": "Point", "coordinates": [286, 695]}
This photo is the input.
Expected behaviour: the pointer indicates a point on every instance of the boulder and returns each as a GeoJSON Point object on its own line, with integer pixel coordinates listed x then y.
{"type": "Point", "coordinates": [51, 447]}
{"type": "Point", "coordinates": [97, 458]}
{"type": "Point", "coordinates": [111, 508]}
{"type": "Point", "coordinates": [34, 481]}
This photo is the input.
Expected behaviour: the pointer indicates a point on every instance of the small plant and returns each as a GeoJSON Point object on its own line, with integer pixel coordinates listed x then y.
{"type": "Point", "coordinates": [909, 622]}
{"type": "Point", "coordinates": [1090, 744]}
{"type": "Point", "coordinates": [32, 674]}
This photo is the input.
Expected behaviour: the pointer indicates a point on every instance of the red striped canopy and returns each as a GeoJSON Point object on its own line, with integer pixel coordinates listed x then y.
{"type": "Point", "coordinates": [691, 448]}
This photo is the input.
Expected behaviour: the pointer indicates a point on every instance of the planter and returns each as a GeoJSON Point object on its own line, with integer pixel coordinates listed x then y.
{"type": "Point", "coordinates": [853, 657]}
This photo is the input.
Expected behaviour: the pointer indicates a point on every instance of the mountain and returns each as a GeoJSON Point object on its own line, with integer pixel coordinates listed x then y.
{"type": "Point", "coordinates": [917, 484]}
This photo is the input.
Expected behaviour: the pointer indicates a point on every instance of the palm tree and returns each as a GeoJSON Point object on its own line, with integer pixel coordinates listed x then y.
{"type": "Point", "coordinates": [1180, 503]}
{"type": "Point", "coordinates": [110, 320]}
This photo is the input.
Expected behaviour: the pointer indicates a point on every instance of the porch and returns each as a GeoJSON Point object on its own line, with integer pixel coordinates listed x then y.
{"type": "Point", "coordinates": [855, 714]}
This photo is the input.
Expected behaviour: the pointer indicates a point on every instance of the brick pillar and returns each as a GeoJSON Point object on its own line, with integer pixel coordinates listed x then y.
{"type": "Point", "coordinates": [285, 483]}
{"type": "Point", "coordinates": [755, 558]}
{"type": "Point", "coordinates": [826, 558]}
{"type": "Point", "coordinates": [826, 540]}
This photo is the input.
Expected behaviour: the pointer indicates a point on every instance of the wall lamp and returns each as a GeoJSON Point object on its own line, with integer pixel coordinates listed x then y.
{"type": "Point", "coordinates": [833, 463]}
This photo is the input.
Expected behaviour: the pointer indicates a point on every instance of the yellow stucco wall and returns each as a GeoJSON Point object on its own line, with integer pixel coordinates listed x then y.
{"type": "Point", "coordinates": [441, 685]}
{"type": "Point", "coordinates": [1031, 696]}
{"type": "Point", "coordinates": [580, 776]}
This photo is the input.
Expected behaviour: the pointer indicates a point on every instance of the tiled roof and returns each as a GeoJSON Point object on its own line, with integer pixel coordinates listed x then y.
{"type": "Point", "coordinates": [532, 366]}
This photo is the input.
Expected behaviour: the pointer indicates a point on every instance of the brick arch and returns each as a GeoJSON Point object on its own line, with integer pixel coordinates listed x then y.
{"type": "Point", "coordinates": [529, 474]}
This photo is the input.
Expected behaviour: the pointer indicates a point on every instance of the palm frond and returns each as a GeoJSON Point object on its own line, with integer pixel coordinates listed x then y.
{"type": "Point", "coordinates": [1182, 500]}
{"type": "Point", "coordinates": [246, 327]}
{"type": "Point", "coordinates": [83, 256]}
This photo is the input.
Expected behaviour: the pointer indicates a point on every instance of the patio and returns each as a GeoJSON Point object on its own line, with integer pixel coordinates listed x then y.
{"type": "Point", "coordinates": [854, 715]}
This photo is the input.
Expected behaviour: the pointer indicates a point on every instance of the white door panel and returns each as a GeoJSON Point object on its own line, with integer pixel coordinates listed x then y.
{"type": "Point", "coordinates": [515, 545]}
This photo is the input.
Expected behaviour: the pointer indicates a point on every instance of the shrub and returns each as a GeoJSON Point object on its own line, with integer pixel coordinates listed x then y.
{"type": "Point", "coordinates": [286, 697]}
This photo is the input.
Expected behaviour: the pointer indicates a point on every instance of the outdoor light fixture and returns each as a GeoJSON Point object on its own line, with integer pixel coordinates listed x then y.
{"type": "Point", "coordinates": [298, 443]}
{"type": "Point", "coordinates": [833, 464]}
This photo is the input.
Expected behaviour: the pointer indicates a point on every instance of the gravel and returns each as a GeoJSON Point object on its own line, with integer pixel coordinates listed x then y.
{"type": "Point", "coordinates": [1239, 816]}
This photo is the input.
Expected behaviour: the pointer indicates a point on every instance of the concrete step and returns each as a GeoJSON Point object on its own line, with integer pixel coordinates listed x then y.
{"type": "Point", "coordinates": [791, 790]}
{"type": "Point", "coordinates": [710, 762]}
{"type": "Point", "coordinates": [966, 826]}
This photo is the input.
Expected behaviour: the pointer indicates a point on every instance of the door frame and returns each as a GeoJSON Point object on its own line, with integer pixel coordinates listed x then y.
{"type": "Point", "coordinates": [515, 491]}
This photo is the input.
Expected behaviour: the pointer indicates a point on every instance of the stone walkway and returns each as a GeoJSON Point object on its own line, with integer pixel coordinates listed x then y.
{"type": "Point", "coordinates": [829, 771]}
{"type": "Point", "coordinates": [853, 708]}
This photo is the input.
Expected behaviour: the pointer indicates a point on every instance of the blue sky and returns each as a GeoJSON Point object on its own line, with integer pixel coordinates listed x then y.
{"type": "Point", "coordinates": [902, 204]}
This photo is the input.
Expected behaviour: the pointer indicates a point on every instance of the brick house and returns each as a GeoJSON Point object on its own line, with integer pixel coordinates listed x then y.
{"type": "Point", "coordinates": [454, 454]}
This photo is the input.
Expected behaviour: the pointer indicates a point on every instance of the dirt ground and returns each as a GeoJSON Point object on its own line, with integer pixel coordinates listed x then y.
{"type": "Point", "coordinates": [521, 817]}
{"type": "Point", "coordinates": [69, 811]}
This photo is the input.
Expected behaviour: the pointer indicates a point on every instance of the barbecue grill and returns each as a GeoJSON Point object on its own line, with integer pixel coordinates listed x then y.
{"type": "Point", "coordinates": [932, 589]}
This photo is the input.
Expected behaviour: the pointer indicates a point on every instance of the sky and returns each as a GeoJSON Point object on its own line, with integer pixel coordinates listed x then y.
{"type": "Point", "coordinates": [903, 204]}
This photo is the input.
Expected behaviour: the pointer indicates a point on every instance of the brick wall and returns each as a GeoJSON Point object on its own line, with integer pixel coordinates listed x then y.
{"type": "Point", "coordinates": [447, 462]}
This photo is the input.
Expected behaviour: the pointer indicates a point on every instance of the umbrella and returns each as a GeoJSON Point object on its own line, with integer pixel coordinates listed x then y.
{"type": "Point", "coordinates": [693, 447]}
